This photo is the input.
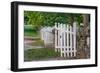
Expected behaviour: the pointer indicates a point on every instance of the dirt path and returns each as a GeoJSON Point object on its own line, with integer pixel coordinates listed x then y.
{"type": "Point", "coordinates": [31, 43]}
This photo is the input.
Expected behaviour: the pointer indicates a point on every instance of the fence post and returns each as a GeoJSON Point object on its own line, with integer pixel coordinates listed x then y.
{"type": "Point", "coordinates": [56, 37]}
{"type": "Point", "coordinates": [74, 30]}
{"type": "Point", "coordinates": [61, 49]}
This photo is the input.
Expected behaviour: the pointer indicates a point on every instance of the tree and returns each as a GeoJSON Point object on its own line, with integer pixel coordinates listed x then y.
{"type": "Point", "coordinates": [83, 33]}
{"type": "Point", "coordinates": [49, 18]}
{"type": "Point", "coordinates": [86, 32]}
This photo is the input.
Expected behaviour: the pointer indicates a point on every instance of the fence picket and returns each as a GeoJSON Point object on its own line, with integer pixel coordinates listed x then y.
{"type": "Point", "coordinates": [70, 41]}
{"type": "Point", "coordinates": [66, 40]}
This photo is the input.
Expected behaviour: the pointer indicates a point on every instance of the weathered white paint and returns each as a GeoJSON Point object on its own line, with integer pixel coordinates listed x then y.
{"type": "Point", "coordinates": [65, 39]}
{"type": "Point", "coordinates": [46, 35]}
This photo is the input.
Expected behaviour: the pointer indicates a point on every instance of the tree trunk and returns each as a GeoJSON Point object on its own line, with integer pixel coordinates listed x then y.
{"type": "Point", "coordinates": [83, 33]}
{"type": "Point", "coordinates": [86, 33]}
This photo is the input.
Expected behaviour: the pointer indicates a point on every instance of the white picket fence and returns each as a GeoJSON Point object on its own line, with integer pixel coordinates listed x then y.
{"type": "Point", "coordinates": [65, 39]}
{"type": "Point", "coordinates": [46, 35]}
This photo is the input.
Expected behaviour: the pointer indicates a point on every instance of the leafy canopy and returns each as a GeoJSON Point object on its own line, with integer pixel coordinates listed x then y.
{"type": "Point", "coordinates": [39, 19]}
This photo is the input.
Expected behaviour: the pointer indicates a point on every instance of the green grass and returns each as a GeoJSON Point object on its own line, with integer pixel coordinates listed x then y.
{"type": "Point", "coordinates": [31, 33]}
{"type": "Point", "coordinates": [40, 54]}
{"type": "Point", "coordinates": [39, 42]}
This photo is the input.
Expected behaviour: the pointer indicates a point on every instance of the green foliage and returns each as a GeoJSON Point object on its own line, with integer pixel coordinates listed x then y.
{"type": "Point", "coordinates": [40, 54]}
{"type": "Point", "coordinates": [39, 19]}
{"type": "Point", "coordinates": [51, 18]}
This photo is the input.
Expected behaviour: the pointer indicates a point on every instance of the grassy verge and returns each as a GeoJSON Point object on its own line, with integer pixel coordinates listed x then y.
{"type": "Point", "coordinates": [38, 43]}
{"type": "Point", "coordinates": [31, 33]}
{"type": "Point", "coordinates": [40, 54]}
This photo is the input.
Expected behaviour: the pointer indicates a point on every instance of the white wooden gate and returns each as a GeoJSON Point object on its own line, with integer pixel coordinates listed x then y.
{"type": "Point", "coordinates": [65, 39]}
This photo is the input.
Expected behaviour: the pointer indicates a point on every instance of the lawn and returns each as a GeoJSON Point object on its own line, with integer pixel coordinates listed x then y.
{"type": "Point", "coordinates": [29, 30]}
{"type": "Point", "coordinates": [31, 33]}
{"type": "Point", "coordinates": [38, 42]}
{"type": "Point", "coordinates": [40, 54]}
